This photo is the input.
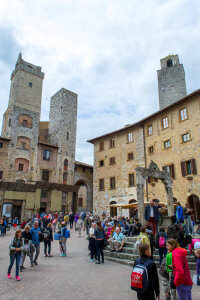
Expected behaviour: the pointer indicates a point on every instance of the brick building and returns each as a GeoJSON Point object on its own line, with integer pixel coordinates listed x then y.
{"type": "Point", "coordinates": [169, 137]}
{"type": "Point", "coordinates": [37, 159]}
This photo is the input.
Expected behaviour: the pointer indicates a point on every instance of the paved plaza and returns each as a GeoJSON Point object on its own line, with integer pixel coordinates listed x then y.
{"type": "Point", "coordinates": [73, 277]}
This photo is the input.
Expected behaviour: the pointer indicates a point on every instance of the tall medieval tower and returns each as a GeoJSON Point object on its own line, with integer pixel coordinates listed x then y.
{"type": "Point", "coordinates": [171, 81]}
{"type": "Point", "coordinates": [21, 120]}
{"type": "Point", "coordinates": [62, 132]}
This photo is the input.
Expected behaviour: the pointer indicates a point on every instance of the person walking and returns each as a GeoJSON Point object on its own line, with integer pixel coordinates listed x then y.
{"type": "Point", "coordinates": [26, 236]}
{"type": "Point", "coordinates": [92, 242]}
{"type": "Point", "coordinates": [35, 233]}
{"type": "Point", "coordinates": [48, 238]}
{"type": "Point", "coordinates": [188, 221]}
{"type": "Point", "coordinates": [16, 248]}
{"type": "Point", "coordinates": [71, 220]}
{"type": "Point", "coordinates": [99, 242]}
{"type": "Point", "coordinates": [63, 239]}
{"type": "Point", "coordinates": [181, 271]}
{"type": "Point", "coordinates": [79, 225]}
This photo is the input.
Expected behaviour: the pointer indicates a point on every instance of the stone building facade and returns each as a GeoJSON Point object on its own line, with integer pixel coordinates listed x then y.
{"type": "Point", "coordinates": [170, 138]}
{"type": "Point", "coordinates": [37, 159]}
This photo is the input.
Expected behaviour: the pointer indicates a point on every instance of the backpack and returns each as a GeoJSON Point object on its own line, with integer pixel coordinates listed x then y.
{"type": "Point", "coordinates": [139, 276]}
{"type": "Point", "coordinates": [46, 234]}
{"type": "Point", "coordinates": [161, 242]}
{"type": "Point", "coordinates": [66, 233]}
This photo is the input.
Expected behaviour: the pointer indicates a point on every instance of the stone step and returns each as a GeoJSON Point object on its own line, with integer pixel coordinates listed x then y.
{"type": "Point", "coordinates": [133, 256]}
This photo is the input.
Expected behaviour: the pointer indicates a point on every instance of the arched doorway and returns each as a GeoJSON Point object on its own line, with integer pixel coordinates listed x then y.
{"type": "Point", "coordinates": [131, 210]}
{"type": "Point", "coordinates": [113, 210]}
{"type": "Point", "coordinates": [82, 198]}
{"type": "Point", "coordinates": [194, 203]}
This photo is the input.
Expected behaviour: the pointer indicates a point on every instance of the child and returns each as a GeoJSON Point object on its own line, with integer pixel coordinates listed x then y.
{"type": "Point", "coordinates": [152, 286]}
{"type": "Point", "coordinates": [161, 243]}
{"type": "Point", "coordinates": [197, 253]}
{"type": "Point", "coordinates": [169, 270]}
{"type": "Point", "coordinates": [165, 279]}
{"type": "Point", "coordinates": [143, 237]}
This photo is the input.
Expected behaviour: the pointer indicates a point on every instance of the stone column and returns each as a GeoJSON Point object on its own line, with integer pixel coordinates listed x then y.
{"type": "Point", "coordinates": [170, 202]}
{"type": "Point", "coordinates": [140, 180]}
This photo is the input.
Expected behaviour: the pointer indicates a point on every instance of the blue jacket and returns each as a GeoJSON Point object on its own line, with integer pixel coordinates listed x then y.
{"type": "Point", "coordinates": [35, 235]}
{"type": "Point", "coordinates": [179, 213]}
{"type": "Point", "coordinates": [147, 213]}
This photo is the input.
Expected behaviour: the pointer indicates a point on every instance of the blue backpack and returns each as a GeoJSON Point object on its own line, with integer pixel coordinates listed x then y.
{"type": "Point", "coordinates": [139, 276]}
{"type": "Point", "coordinates": [66, 233]}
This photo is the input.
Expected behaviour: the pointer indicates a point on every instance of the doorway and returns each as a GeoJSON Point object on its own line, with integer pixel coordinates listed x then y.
{"type": "Point", "coordinates": [194, 203]}
{"type": "Point", "coordinates": [113, 210]}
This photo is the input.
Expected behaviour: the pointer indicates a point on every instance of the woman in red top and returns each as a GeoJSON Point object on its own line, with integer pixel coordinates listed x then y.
{"type": "Point", "coordinates": [181, 271]}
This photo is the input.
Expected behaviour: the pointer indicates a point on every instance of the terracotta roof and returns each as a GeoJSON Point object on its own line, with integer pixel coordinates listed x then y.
{"type": "Point", "coordinates": [49, 145]}
{"type": "Point", "coordinates": [141, 122]}
{"type": "Point", "coordinates": [78, 163]}
{"type": "Point", "coordinates": [4, 138]}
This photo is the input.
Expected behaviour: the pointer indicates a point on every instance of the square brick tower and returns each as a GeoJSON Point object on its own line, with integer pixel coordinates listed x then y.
{"type": "Point", "coordinates": [21, 120]}
{"type": "Point", "coordinates": [171, 81]}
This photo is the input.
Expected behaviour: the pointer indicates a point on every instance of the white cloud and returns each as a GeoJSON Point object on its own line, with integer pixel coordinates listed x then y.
{"type": "Point", "coordinates": [107, 51]}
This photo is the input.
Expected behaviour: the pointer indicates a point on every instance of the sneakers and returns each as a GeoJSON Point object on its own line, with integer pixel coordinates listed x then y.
{"type": "Point", "coordinates": [32, 264]}
{"type": "Point", "coordinates": [17, 278]}
{"type": "Point", "coordinates": [97, 262]}
{"type": "Point", "coordinates": [62, 255]}
{"type": "Point", "coordinates": [21, 269]}
{"type": "Point", "coordinates": [8, 276]}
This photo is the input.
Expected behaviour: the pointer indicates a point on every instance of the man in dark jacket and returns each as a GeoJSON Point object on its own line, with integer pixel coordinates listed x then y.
{"type": "Point", "coordinates": [71, 220]}
{"type": "Point", "coordinates": [152, 216]}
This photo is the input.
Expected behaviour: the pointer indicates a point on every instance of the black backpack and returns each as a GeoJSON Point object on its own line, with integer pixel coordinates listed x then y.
{"type": "Point", "coordinates": [46, 234]}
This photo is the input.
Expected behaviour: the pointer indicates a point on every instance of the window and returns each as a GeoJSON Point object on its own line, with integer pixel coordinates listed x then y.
{"type": "Point", "coordinates": [165, 122]}
{"type": "Point", "coordinates": [112, 143]}
{"type": "Point", "coordinates": [185, 137]}
{"type": "Point", "coordinates": [112, 183]}
{"type": "Point", "coordinates": [46, 155]}
{"type": "Point", "coordinates": [23, 146]}
{"type": "Point", "coordinates": [30, 84]}
{"type": "Point", "coordinates": [1, 145]}
{"type": "Point", "coordinates": [169, 63]}
{"type": "Point", "coordinates": [101, 184]}
{"type": "Point", "coordinates": [44, 194]}
{"type": "Point", "coordinates": [130, 156]}
{"type": "Point", "coordinates": [1, 175]}
{"type": "Point", "coordinates": [80, 202]}
{"type": "Point", "coordinates": [21, 167]}
{"type": "Point", "coordinates": [67, 135]}
{"type": "Point", "coordinates": [101, 163]}
{"type": "Point", "coordinates": [188, 167]}
{"type": "Point", "coordinates": [150, 130]}
{"type": "Point", "coordinates": [130, 137]}
{"type": "Point", "coordinates": [65, 178]}
{"type": "Point", "coordinates": [101, 146]}
{"type": "Point", "coordinates": [65, 164]}
{"type": "Point", "coordinates": [183, 114]}
{"type": "Point", "coordinates": [25, 123]}
{"type": "Point", "coordinates": [9, 124]}
{"type": "Point", "coordinates": [167, 144]}
{"type": "Point", "coordinates": [169, 169]}
{"type": "Point", "coordinates": [45, 175]}
{"type": "Point", "coordinates": [151, 149]}
{"type": "Point", "coordinates": [131, 179]}
{"type": "Point", "coordinates": [112, 160]}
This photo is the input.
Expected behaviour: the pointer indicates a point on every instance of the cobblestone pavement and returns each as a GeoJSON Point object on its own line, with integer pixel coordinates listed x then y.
{"type": "Point", "coordinates": [73, 277]}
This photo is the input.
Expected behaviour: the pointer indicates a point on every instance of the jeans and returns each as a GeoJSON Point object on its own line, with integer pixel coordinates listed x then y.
{"type": "Point", "coordinates": [64, 245]}
{"type": "Point", "coordinates": [47, 244]}
{"type": "Point", "coordinates": [37, 251]}
{"type": "Point", "coordinates": [162, 253]}
{"type": "Point", "coordinates": [189, 226]}
{"type": "Point", "coordinates": [92, 248]}
{"type": "Point", "coordinates": [2, 230]}
{"type": "Point", "coordinates": [184, 292]}
{"type": "Point", "coordinates": [14, 256]}
{"type": "Point", "coordinates": [99, 248]}
{"type": "Point", "coordinates": [87, 228]}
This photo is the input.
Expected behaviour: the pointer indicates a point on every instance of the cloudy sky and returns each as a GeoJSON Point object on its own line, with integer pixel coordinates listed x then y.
{"type": "Point", "coordinates": [106, 51]}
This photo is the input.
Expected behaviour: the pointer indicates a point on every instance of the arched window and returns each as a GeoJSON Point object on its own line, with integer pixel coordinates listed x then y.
{"type": "Point", "coordinates": [25, 121]}
{"type": "Point", "coordinates": [21, 165]}
{"type": "Point", "coordinates": [23, 143]}
{"type": "Point", "coordinates": [169, 63]}
{"type": "Point", "coordinates": [132, 201]}
{"type": "Point", "coordinates": [65, 164]}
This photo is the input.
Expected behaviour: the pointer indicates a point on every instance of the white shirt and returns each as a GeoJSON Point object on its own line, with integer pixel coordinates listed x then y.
{"type": "Point", "coordinates": [151, 212]}
{"type": "Point", "coordinates": [91, 232]}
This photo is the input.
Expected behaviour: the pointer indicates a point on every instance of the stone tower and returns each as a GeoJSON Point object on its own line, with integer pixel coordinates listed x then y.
{"type": "Point", "coordinates": [171, 81]}
{"type": "Point", "coordinates": [62, 132]}
{"type": "Point", "coordinates": [21, 120]}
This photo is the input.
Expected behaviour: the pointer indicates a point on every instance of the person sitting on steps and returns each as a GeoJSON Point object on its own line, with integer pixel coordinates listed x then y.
{"type": "Point", "coordinates": [117, 241]}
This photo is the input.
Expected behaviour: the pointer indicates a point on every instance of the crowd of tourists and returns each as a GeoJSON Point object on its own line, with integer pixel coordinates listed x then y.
{"type": "Point", "coordinates": [173, 244]}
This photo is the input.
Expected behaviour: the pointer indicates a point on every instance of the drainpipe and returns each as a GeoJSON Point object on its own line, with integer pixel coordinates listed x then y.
{"type": "Point", "coordinates": [145, 159]}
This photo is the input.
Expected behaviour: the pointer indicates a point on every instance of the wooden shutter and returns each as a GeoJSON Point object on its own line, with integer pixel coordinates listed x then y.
{"type": "Point", "coordinates": [173, 173]}
{"type": "Point", "coordinates": [183, 168]}
{"type": "Point", "coordinates": [194, 169]}
{"type": "Point", "coordinates": [164, 169]}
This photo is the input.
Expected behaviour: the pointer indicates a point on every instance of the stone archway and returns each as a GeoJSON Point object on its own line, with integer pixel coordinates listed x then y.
{"type": "Point", "coordinates": [82, 199]}
{"type": "Point", "coordinates": [194, 203]}
{"type": "Point", "coordinates": [142, 174]}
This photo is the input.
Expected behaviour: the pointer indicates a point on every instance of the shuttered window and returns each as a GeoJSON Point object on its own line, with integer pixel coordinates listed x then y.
{"type": "Point", "coordinates": [169, 169]}
{"type": "Point", "coordinates": [188, 167]}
